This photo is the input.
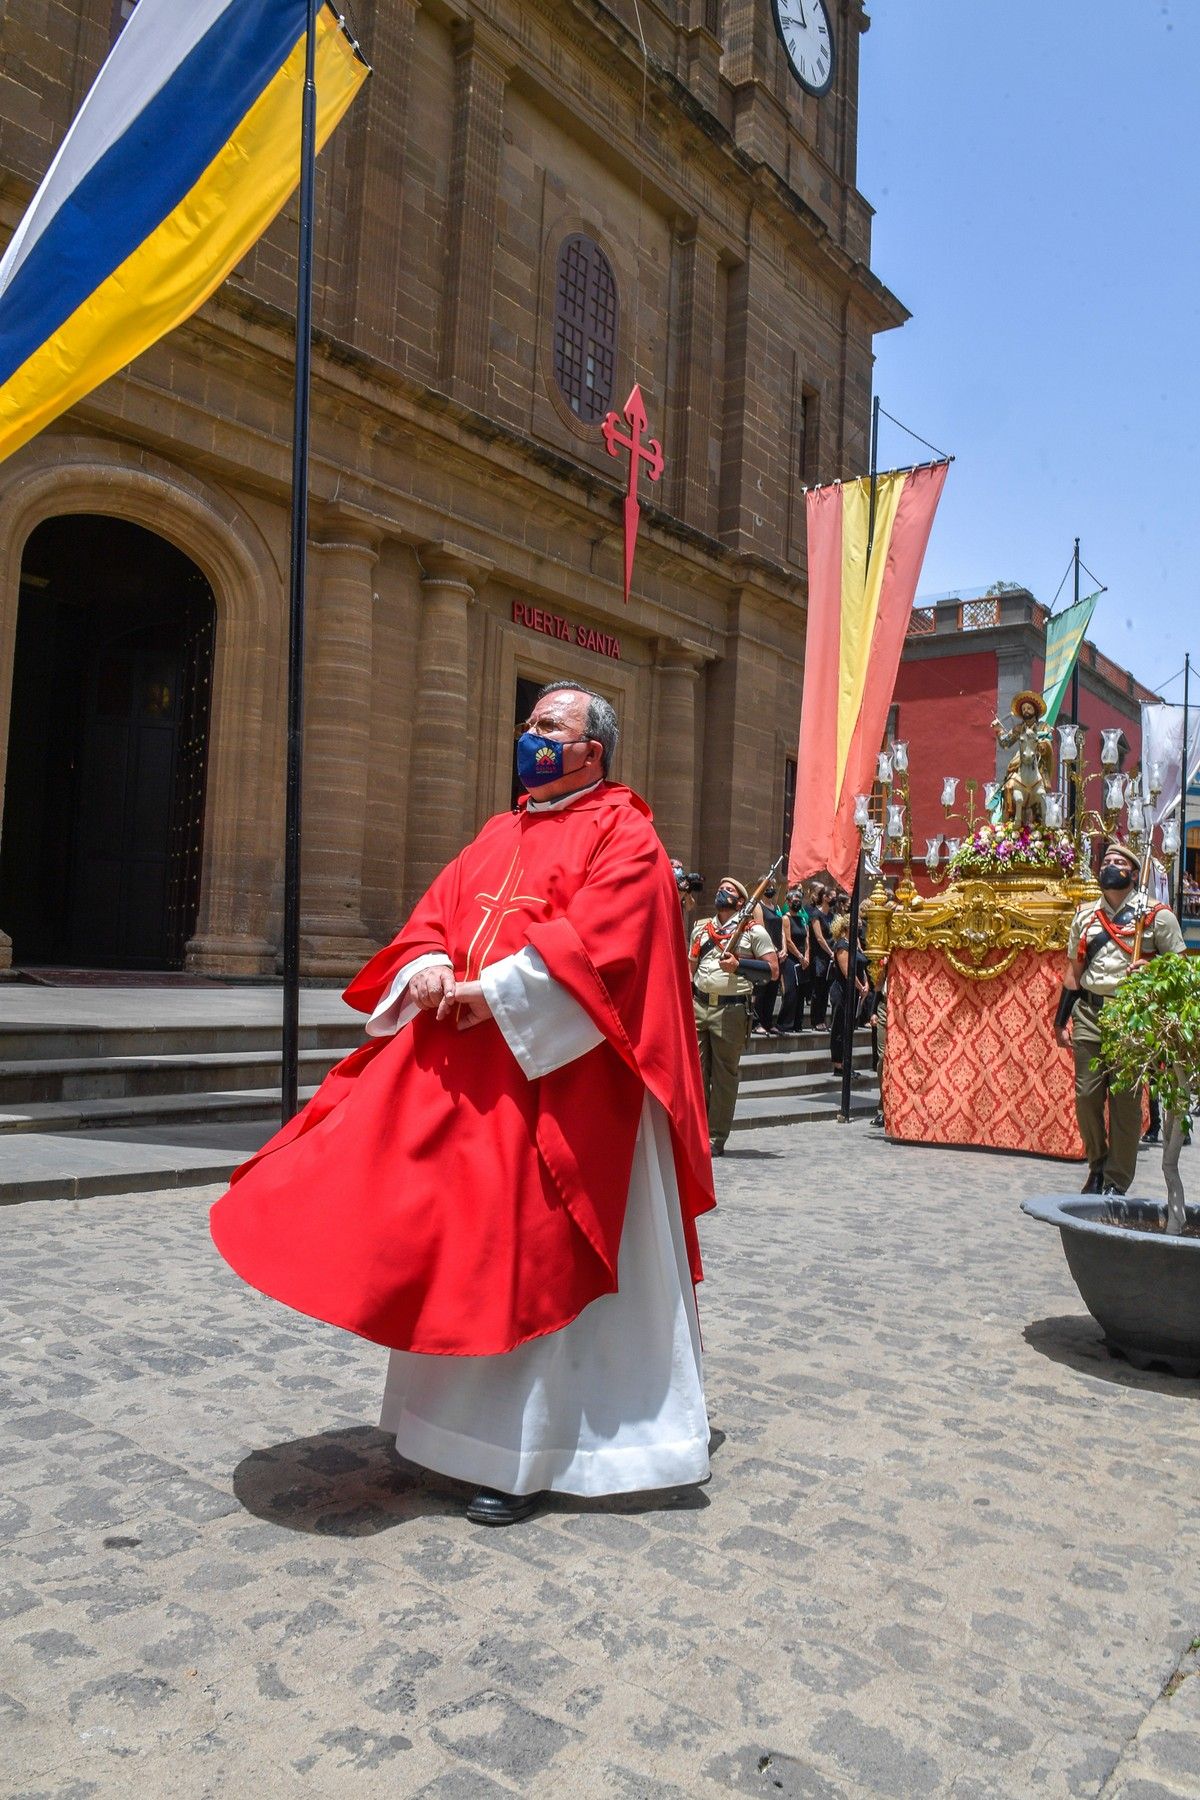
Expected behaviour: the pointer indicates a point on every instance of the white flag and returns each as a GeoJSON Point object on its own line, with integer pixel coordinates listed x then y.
{"type": "Point", "coordinates": [1162, 753]}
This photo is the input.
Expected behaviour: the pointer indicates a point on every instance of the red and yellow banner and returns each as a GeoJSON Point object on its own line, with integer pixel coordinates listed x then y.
{"type": "Point", "coordinates": [858, 614]}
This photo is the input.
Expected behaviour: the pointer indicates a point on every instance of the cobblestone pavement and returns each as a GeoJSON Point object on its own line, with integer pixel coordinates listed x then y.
{"type": "Point", "coordinates": [949, 1545]}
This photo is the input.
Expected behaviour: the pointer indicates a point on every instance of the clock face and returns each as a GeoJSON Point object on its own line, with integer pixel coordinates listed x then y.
{"type": "Point", "coordinates": [807, 36]}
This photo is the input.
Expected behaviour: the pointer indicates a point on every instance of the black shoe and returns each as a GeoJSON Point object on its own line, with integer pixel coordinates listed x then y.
{"type": "Point", "coordinates": [1094, 1183]}
{"type": "Point", "coordinates": [878, 1119]}
{"type": "Point", "coordinates": [489, 1507]}
{"type": "Point", "coordinates": [715, 1148]}
{"type": "Point", "coordinates": [1109, 1188]}
{"type": "Point", "coordinates": [1151, 1137]}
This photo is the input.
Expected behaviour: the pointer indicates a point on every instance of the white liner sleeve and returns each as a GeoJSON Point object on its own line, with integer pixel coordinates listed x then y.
{"type": "Point", "coordinates": [393, 1013]}
{"type": "Point", "coordinates": [544, 1026]}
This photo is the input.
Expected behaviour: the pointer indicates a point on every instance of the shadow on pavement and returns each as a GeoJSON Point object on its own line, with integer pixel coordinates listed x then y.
{"type": "Point", "coordinates": [350, 1483]}
{"type": "Point", "coordinates": [1077, 1341]}
{"type": "Point", "coordinates": [345, 1483]}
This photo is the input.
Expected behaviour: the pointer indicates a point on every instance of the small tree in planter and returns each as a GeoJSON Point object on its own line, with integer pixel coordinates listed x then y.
{"type": "Point", "coordinates": [1150, 1036]}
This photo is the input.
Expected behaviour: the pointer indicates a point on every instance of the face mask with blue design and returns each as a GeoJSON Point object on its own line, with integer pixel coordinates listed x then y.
{"type": "Point", "coordinates": [540, 759]}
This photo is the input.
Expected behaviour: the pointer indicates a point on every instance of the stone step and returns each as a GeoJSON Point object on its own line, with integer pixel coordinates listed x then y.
{"type": "Point", "coordinates": [804, 1062]}
{"type": "Point", "coordinates": [55, 1041]}
{"type": "Point", "coordinates": [121, 1112]}
{"type": "Point", "coordinates": [78, 1166]}
{"type": "Point", "coordinates": [821, 1082]}
{"type": "Point", "coordinates": [752, 1112]}
{"type": "Point", "coordinates": [33, 1080]}
{"type": "Point", "coordinates": [803, 1042]}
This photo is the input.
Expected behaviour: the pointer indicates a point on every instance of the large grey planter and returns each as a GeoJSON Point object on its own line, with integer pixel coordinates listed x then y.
{"type": "Point", "coordinates": [1142, 1288]}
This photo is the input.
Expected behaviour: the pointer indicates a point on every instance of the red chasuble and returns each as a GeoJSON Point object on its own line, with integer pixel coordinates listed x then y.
{"type": "Point", "coordinates": [430, 1196]}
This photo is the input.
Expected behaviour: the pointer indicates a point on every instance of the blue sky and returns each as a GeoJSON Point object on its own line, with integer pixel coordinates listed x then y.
{"type": "Point", "coordinates": [1035, 175]}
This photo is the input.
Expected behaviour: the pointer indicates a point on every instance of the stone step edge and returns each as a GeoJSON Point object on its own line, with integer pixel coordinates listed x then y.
{"type": "Point", "coordinates": [203, 1059]}
{"type": "Point", "coordinates": [62, 1118]}
{"type": "Point", "coordinates": [22, 1044]}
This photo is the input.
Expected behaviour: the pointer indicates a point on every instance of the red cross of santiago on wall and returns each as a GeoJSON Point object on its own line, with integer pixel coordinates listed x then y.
{"type": "Point", "coordinates": [649, 453]}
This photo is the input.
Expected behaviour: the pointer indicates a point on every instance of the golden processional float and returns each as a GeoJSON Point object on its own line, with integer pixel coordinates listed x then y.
{"type": "Point", "coordinates": [973, 972]}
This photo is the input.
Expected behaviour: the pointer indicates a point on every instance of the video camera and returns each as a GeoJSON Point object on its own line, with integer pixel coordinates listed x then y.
{"type": "Point", "coordinates": [689, 882]}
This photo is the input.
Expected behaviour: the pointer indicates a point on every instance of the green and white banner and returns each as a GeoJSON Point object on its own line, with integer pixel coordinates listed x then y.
{"type": "Point", "coordinates": [1064, 640]}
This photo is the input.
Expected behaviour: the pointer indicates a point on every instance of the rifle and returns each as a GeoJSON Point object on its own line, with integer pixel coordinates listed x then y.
{"type": "Point", "coordinates": [1143, 902]}
{"type": "Point", "coordinates": [736, 928]}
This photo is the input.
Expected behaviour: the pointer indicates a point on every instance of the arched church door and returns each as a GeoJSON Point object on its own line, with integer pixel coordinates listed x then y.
{"type": "Point", "coordinates": [108, 746]}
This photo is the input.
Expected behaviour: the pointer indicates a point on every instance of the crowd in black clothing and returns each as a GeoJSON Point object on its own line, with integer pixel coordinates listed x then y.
{"type": "Point", "coordinates": [802, 932]}
{"type": "Point", "coordinates": [811, 936]}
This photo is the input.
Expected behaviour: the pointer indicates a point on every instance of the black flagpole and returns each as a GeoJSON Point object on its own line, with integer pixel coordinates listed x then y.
{"type": "Point", "coordinates": [850, 1007]}
{"type": "Point", "coordinates": [1183, 790]}
{"type": "Point", "coordinates": [299, 573]}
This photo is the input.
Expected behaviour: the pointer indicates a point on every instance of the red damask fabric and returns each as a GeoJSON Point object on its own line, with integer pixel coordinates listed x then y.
{"type": "Point", "coordinates": [975, 1062]}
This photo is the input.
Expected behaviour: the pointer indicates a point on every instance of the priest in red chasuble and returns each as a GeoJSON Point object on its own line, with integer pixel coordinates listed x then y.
{"type": "Point", "coordinates": [502, 1185]}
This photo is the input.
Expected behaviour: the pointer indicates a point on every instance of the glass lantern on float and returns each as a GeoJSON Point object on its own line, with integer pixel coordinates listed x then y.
{"type": "Point", "coordinates": [1068, 743]}
{"type": "Point", "coordinates": [949, 792]}
{"type": "Point", "coordinates": [1110, 746]}
{"type": "Point", "coordinates": [883, 768]}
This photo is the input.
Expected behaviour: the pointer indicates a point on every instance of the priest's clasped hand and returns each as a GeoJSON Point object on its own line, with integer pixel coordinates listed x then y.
{"type": "Point", "coordinates": [466, 998]}
{"type": "Point", "coordinates": [438, 991]}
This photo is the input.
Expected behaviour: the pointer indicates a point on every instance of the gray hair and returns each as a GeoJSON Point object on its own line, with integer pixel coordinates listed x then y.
{"type": "Point", "coordinates": [601, 722]}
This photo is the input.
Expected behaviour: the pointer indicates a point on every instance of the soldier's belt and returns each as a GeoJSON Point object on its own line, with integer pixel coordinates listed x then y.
{"type": "Point", "coordinates": [719, 999]}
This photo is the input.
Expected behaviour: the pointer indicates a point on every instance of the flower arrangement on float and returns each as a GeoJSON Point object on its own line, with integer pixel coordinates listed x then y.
{"type": "Point", "coordinates": [995, 849]}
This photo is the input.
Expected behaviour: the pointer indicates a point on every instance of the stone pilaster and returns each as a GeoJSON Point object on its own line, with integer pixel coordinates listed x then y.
{"type": "Point", "coordinates": [337, 728]}
{"type": "Point", "coordinates": [437, 769]}
{"type": "Point", "coordinates": [480, 77]}
{"type": "Point", "coordinates": [378, 125]}
{"type": "Point", "coordinates": [697, 405]}
{"type": "Point", "coordinates": [673, 794]}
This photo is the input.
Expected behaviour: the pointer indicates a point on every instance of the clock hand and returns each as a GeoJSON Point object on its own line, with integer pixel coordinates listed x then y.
{"type": "Point", "coordinates": [800, 10]}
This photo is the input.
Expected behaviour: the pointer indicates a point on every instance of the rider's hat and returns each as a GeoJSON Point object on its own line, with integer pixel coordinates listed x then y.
{"type": "Point", "coordinates": [1034, 700]}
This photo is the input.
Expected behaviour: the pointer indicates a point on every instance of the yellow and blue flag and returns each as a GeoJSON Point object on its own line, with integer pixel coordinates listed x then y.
{"type": "Point", "coordinates": [185, 149]}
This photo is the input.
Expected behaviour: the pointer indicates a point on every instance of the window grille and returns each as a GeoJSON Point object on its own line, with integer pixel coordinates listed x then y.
{"type": "Point", "coordinates": [585, 328]}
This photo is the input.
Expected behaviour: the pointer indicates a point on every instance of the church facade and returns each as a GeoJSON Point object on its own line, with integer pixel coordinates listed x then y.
{"type": "Point", "coordinates": [533, 205]}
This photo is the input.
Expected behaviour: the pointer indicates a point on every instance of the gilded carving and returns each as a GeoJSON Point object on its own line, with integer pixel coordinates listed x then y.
{"type": "Point", "coordinates": [980, 927]}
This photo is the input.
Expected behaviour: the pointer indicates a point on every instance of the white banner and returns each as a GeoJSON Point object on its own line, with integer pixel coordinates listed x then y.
{"type": "Point", "coordinates": [1162, 753]}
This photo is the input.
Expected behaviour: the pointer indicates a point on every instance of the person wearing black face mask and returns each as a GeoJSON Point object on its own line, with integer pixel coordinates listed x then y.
{"type": "Point", "coordinates": [1100, 953]}
{"type": "Point", "coordinates": [767, 992]}
{"type": "Point", "coordinates": [723, 981]}
{"type": "Point", "coordinates": [794, 965]}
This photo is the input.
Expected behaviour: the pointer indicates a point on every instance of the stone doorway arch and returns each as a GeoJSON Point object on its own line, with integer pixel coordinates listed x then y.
{"type": "Point", "coordinates": [243, 835]}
